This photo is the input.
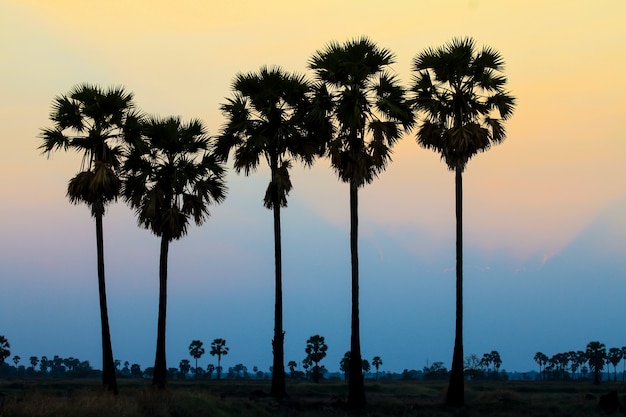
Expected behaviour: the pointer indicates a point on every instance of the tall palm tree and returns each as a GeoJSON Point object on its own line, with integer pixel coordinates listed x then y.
{"type": "Point", "coordinates": [370, 115]}
{"type": "Point", "coordinates": [171, 178]}
{"type": "Point", "coordinates": [268, 119]}
{"type": "Point", "coordinates": [459, 89]}
{"type": "Point", "coordinates": [93, 121]}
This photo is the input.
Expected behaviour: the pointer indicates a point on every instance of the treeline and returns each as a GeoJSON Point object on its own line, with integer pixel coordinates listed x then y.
{"type": "Point", "coordinates": [580, 363]}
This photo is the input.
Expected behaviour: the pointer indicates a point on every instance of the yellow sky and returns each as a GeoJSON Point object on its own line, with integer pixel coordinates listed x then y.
{"type": "Point", "coordinates": [564, 160]}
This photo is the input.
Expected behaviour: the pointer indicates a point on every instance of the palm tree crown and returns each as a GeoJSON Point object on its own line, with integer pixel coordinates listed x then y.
{"type": "Point", "coordinates": [172, 177]}
{"type": "Point", "coordinates": [459, 89]}
{"type": "Point", "coordinates": [92, 121]}
{"type": "Point", "coordinates": [267, 118]}
{"type": "Point", "coordinates": [366, 102]}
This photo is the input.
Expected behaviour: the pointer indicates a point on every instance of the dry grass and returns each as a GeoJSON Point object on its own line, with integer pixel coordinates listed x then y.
{"type": "Point", "coordinates": [79, 398]}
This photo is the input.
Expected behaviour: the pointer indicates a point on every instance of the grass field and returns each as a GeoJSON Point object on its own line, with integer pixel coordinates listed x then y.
{"type": "Point", "coordinates": [74, 398]}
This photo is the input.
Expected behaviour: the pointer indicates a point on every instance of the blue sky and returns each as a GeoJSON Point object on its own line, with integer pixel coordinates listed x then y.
{"type": "Point", "coordinates": [544, 224]}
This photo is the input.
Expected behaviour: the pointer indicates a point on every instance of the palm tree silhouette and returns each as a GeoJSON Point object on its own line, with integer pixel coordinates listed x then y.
{"type": "Point", "coordinates": [94, 122]}
{"type": "Point", "coordinates": [219, 348]}
{"type": "Point", "coordinates": [267, 119]}
{"type": "Point", "coordinates": [171, 177]}
{"type": "Point", "coordinates": [596, 354]}
{"type": "Point", "coordinates": [370, 113]}
{"type": "Point", "coordinates": [458, 89]}
{"type": "Point", "coordinates": [196, 351]}
{"type": "Point", "coordinates": [377, 361]}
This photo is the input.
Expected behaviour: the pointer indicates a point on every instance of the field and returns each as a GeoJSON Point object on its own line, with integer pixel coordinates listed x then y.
{"type": "Point", "coordinates": [74, 398]}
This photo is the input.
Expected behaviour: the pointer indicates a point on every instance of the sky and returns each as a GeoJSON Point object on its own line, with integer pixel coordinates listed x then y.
{"type": "Point", "coordinates": [544, 223]}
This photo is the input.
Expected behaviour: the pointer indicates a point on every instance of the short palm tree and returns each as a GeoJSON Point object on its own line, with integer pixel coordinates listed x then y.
{"type": "Point", "coordinates": [196, 351]}
{"type": "Point", "coordinates": [93, 122]}
{"type": "Point", "coordinates": [268, 119]}
{"type": "Point", "coordinates": [171, 178]}
{"type": "Point", "coordinates": [596, 354]}
{"type": "Point", "coordinates": [377, 361]}
{"type": "Point", "coordinates": [219, 349]}
{"type": "Point", "coordinates": [459, 89]}
{"type": "Point", "coordinates": [370, 114]}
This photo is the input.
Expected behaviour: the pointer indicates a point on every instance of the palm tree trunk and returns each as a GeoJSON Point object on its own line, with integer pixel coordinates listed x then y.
{"type": "Point", "coordinates": [278, 389]}
{"type": "Point", "coordinates": [356, 388]}
{"type": "Point", "coordinates": [456, 388]}
{"type": "Point", "coordinates": [160, 367]}
{"type": "Point", "coordinates": [109, 379]}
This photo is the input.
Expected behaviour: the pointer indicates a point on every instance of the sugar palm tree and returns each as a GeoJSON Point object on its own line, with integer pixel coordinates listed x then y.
{"type": "Point", "coordinates": [541, 359]}
{"type": "Point", "coordinates": [596, 354]}
{"type": "Point", "coordinates": [171, 179]}
{"type": "Point", "coordinates": [377, 361]}
{"type": "Point", "coordinates": [268, 119]}
{"type": "Point", "coordinates": [93, 122]}
{"type": "Point", "coordinates": [370, 115]}
{"type": "Point", "coordinates": [196, 351]}
{"type": "Point", "coordinates": [219, 348]}
{"type": "Point", "coordinates": [459, 90]}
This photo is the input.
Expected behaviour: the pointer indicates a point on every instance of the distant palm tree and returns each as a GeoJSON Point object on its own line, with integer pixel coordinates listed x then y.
{"type": "Point", "coordinates": [196, 351]}
{"type": "Point", "coordinates": [184, 367]}
{"type": "Point", "coordinates": [171, 178]}
{"type": "Point", "coordinates": [316, 351]}
{"type": "Point", "coordinates": [219, 348]}
{"type": "Point", "coordinates": [541, 360]}
{"type": "Point", "coordinates": [268, 119]}
{"type": "Point", "coordinates": [596, 354]}
{"type": "Point", "coordinates": [94, 122]}
{"type": "Point", "coordinates": [458, 89]}
{"type": "Point", "coordinates": [33, 362]}
{"type": "Point", "coordinates": [377, 361]}
{"type": "Point", "coordinates": [370, 113]}
{"type": "Point", "coordinates": [614, 356]}
{"type": "Point", "coordinates": [292, 366]}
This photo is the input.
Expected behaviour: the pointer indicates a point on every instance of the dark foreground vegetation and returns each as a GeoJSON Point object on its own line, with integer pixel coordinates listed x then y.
{"type": "Point", "coordinates": [45, 397]}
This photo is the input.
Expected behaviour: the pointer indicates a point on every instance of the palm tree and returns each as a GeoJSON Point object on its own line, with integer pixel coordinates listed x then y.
{"type": "Point", "coordinates": [377, 361]}
{"type": "Point", "coordinates": [596, 353]}
{"type": "Point", "coordinates": [316, 351]}
{"type": "Point", "coordinates": [458, 89]}
{"type": "Point", "coordinates": [93, 121]}
{"type": "Point", "coordinates": [368, 108]}
{"type": "Point", "coordinates": [541, 359]}
{"type": "Point", "coordinates": [196, 351]}
{"type": "Point", "coordinates": [614, 356]}
{"type": "Point", "coordinates": [4, 349]}
{"type": "Point", "coordinates": [171, 177]}
{"type": "Point", "coordinates": [267, 119]}
{"type": "Point", "coordinates": [219, 348]}
{"type": "Point", "coordinates": [292, 367]}
{"type": "Point", "coordinates": [33, 362]}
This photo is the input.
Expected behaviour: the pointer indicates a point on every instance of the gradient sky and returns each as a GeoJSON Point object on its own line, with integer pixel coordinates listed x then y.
{"type": "Point", "coordinates": [545, 229]}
